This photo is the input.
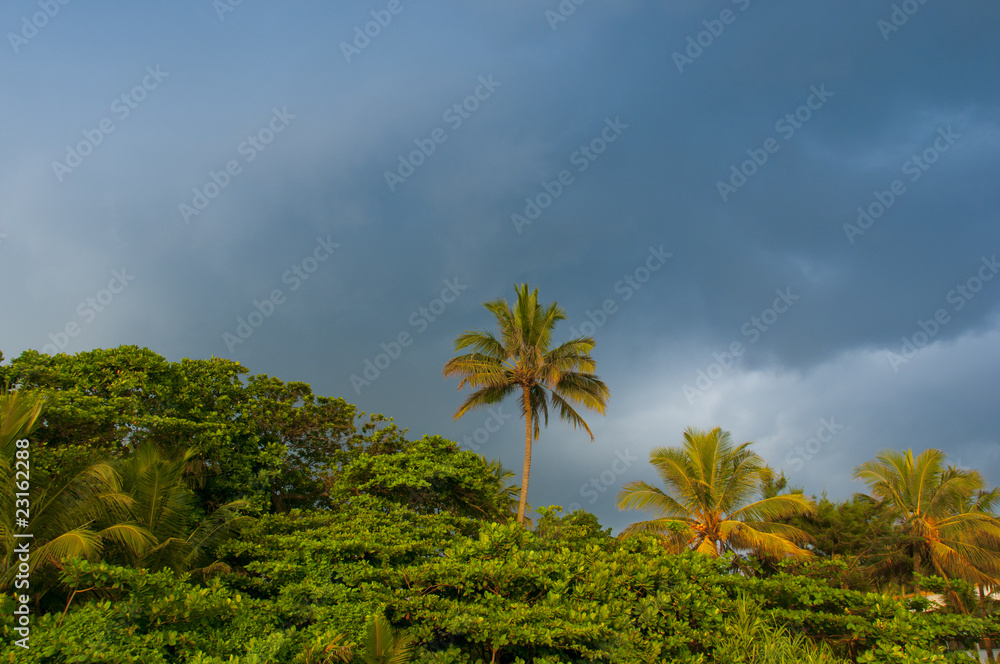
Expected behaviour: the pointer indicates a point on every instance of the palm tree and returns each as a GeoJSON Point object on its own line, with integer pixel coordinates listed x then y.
{"type": "Point", "coordinates": [945, 513]}
{"type": "Point", "coordinates": [169, 510]}
{"type": "Point", "coordinates": [522, 359]}
{"type": "Point", "coordinates": [19, 413]}
{"type": "Point", "coordinates": [707, 505]}
{"type": "Point", "coordinates": [72, 513]}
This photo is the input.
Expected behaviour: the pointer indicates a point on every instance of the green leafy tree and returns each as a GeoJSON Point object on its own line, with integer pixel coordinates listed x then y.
{"type": "Point", "coordinates": [121, 615]}
{"type": "Point", "coordinates": [521, 360]}
{"type": "Point", "coordinates": [256, 437]}
{"type": "Point", "coordinates": [330, 570]}
{"type": "Point", "coordinates": [430, 475]}
{"type": "Point", "coordinates": [708, 502]}
{"type": "Point", "coordinates": [855, 528]}
{"type": "Point", "coordinates": [945, 513]}
{"type": "Point", "coordinates": [304, 436]}
{"type": "Point", "coordinates": [577, 529]}
{"type": "Point", "coordinates": [861, 536]}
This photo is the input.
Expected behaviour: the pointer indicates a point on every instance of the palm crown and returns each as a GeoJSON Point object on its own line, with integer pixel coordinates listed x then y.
{"type": "Point", "coordinates": [74, 512]}
{"type": "Point", "coordinates": [167, 508]}
{"type": "Point", "coordinates": [521, 359]}
{"type": "Point", "coordinates": [944, 510]}
{"type": "Point", "coordinates": [707, 504]}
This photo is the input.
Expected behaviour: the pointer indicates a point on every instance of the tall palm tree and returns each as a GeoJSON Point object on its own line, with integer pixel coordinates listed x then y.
{"type": "Point", "coordinates": [707, 505]}
{"type": "Point", "coordinates": [72, 513]}
{"type": "Point", "coordinates": [521, 359]}
{"type": "Point", "coordinates": [945, 512]}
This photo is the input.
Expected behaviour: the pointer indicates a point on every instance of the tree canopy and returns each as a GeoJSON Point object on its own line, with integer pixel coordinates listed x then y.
{"type": "Point", "coordinates": [188, 512]}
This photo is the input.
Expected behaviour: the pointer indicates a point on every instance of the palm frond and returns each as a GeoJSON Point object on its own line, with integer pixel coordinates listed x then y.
{"type": "Point", "coordinates": [643, 496]}
{"type": "Point", "coordinates": [567, 412]}
{"type": "Point", "coordinates": [486, 396]}
{"type": "Point", "coordinates": [19, 414]}
{"type": "Point", "coordinates": [775, 508]}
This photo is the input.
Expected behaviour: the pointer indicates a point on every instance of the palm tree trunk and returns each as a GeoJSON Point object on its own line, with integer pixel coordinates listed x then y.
{"type": "Point", "coordinates": [527, 455]}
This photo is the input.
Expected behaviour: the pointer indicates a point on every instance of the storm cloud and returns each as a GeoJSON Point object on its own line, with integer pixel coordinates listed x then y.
{"type": "Point", "coordinates": [778, 218]}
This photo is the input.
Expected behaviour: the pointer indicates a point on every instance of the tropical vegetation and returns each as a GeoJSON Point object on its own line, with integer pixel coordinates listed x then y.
{"type": "Point", "coordinates": [188, 512]}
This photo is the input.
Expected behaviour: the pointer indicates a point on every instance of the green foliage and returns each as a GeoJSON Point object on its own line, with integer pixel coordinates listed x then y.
{"type": "Point", "coordinates": [749, 635]}
{"type": "Point", "coordinates": [428, 476]}
{"type": "Point", "coordinates": [510, 594]}
{"type": "Point", "coordinates": [134, 616]}
{"type": "Point", "coordinates": [336, 568]}
{"type": "Point", "coordinates": [256, 437]}
{"type": "Point", "coordinates": [576, 529]}
{"type": "Point", "coordinates": [870, 553]}
{"type": "Point", "coordinates": [373, 548]}
{"type": "Point", "coordinates": [19, 413]}
{"type": "Point", "coordinates": [851, 621]}
{"type": "Point", "coordinates": [855, 528]}
{"type": "Point", "coordinates": [304, 585]}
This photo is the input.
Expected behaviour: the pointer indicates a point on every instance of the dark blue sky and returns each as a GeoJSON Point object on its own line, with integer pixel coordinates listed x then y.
{"type": "Point", "coordinates": [778, 218]}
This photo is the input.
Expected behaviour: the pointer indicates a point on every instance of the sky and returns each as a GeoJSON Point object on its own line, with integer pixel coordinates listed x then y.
{"type": "Point", "coordinates": [781, 219]}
